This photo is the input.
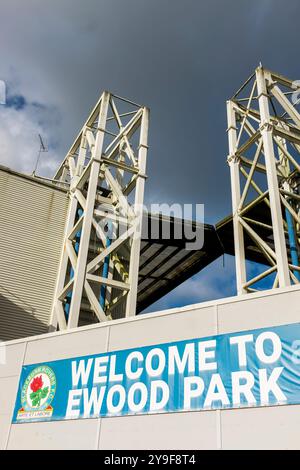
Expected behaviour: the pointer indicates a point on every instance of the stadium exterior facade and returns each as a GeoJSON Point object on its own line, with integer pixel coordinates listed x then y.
{"type": "Point", "coordinates": [78, 368]}
{"type": "Point", "coordinates": [270, 427]}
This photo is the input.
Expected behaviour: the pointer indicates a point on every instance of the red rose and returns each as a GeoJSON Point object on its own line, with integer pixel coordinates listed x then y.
{"type": "Point", "coordinates": [36, 384]}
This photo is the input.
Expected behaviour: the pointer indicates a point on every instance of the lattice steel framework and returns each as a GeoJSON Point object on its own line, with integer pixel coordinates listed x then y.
{"type": "Point", "coordinates": [264, 160]}
{"type": "Point", "coordinates": [105, 169]}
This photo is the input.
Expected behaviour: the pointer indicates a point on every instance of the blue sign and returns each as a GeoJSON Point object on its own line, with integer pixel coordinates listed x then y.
{"type": "Point", "coordinates": [251, 368]}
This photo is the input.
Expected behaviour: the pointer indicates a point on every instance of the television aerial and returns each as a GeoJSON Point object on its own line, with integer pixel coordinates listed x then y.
{"type": "Point", "coordinates": [43, 148]}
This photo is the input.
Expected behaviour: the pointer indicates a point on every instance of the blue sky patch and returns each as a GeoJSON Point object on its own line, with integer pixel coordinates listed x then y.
{"type": "Point", "coordinates": [16, 102]}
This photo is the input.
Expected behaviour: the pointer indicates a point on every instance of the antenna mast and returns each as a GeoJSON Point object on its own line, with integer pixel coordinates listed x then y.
{"type": "Point", "coordinates": [42, 148]}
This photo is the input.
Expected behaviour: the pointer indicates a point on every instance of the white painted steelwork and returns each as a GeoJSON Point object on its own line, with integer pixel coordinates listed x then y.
{"type": "Point", "coordinates": [264, 160]}
{"type": "Point", "coordinates": [105, 168]}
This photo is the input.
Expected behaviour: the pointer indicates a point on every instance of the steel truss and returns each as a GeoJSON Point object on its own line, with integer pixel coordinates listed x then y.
{"type": "Point", "coordinates": [264, 160]}
{"type": "Point", "coordinates": [105, 170]}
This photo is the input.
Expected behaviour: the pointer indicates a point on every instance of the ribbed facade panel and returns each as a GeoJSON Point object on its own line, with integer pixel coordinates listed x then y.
{"type": "Point", "coordinates": [32, 219]}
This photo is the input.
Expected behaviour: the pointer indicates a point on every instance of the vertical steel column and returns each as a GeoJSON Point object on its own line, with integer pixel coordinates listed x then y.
{"type": "Point", "coordinates": [105, 269]}
{"type": "Point", "coordinates": [79, 275]}
{"type": "Point", "coordinates": [239, 249]}
{"type": "Point", "coordinates": [271, 170]}
{"type": "Point", "coordinates": [58, 313]}
{"type": "Point", "coordinates": [138, 209]}
{"type": "Point", "coordinates": [293, 241]}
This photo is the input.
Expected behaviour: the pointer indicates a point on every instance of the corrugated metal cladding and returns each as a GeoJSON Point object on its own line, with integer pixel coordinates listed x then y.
{"type": "Point", "coordinates": [32, 218]}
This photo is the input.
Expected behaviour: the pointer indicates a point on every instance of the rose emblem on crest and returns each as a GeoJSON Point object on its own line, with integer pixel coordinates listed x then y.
{"type": "Point", "coordinates": [38, 392]}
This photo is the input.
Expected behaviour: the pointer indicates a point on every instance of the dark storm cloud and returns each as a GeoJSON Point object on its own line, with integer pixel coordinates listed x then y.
{"type": "Point", "coordinates": [183, 58]}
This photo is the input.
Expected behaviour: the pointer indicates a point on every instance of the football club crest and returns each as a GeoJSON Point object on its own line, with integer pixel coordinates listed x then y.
{"type": "Point", "coordinates": [37, 394]}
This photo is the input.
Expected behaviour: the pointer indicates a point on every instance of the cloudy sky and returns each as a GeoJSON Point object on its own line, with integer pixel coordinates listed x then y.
{"type": "Point", "coordinates": [182, 58]}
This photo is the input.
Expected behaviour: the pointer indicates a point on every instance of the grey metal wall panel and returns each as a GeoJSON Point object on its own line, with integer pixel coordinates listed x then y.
{"type": "Point", "coordinates": [80, 343]}
{"type": "Point", "coordinates": [14, 356]}
{"type": "Point", "coordinates": [197, 430]}
{"type": "Point", "coordinates": [10, 367]}
{"type": "Point", "coordinates": [5, 420]}
{"type": "Point", "coordinates": [61, 435]}
{"type": "Point", "coordinates": [8, 390]}
{"type": "Point", "coordinates": [152, 329]}
{"type": "Point", "coordinates": [30, 250]}
{"type": "Point", "coordinates": [275, 427]}
{"type": "Point", "coordinates": [258, 312]}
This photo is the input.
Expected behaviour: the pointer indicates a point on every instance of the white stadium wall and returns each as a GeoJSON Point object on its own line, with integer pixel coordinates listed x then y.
{"type": "Point", "coordinates": [264, 427]}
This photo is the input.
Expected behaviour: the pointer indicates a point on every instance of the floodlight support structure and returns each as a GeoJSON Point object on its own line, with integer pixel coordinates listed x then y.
{"type": "Point", "coordinates": [266, 142]}
{"type": "Point", "coordinates": [103, 170]}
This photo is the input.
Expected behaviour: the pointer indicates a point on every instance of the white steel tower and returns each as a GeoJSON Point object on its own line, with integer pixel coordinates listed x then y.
{"type": "Point", "coordinates": [105, 172]}
{"type": "Point", "coordinates": [264, 160]}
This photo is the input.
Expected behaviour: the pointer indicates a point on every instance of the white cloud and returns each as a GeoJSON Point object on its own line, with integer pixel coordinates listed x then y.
{"type": "Point", "coordinates": [19, 129]}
